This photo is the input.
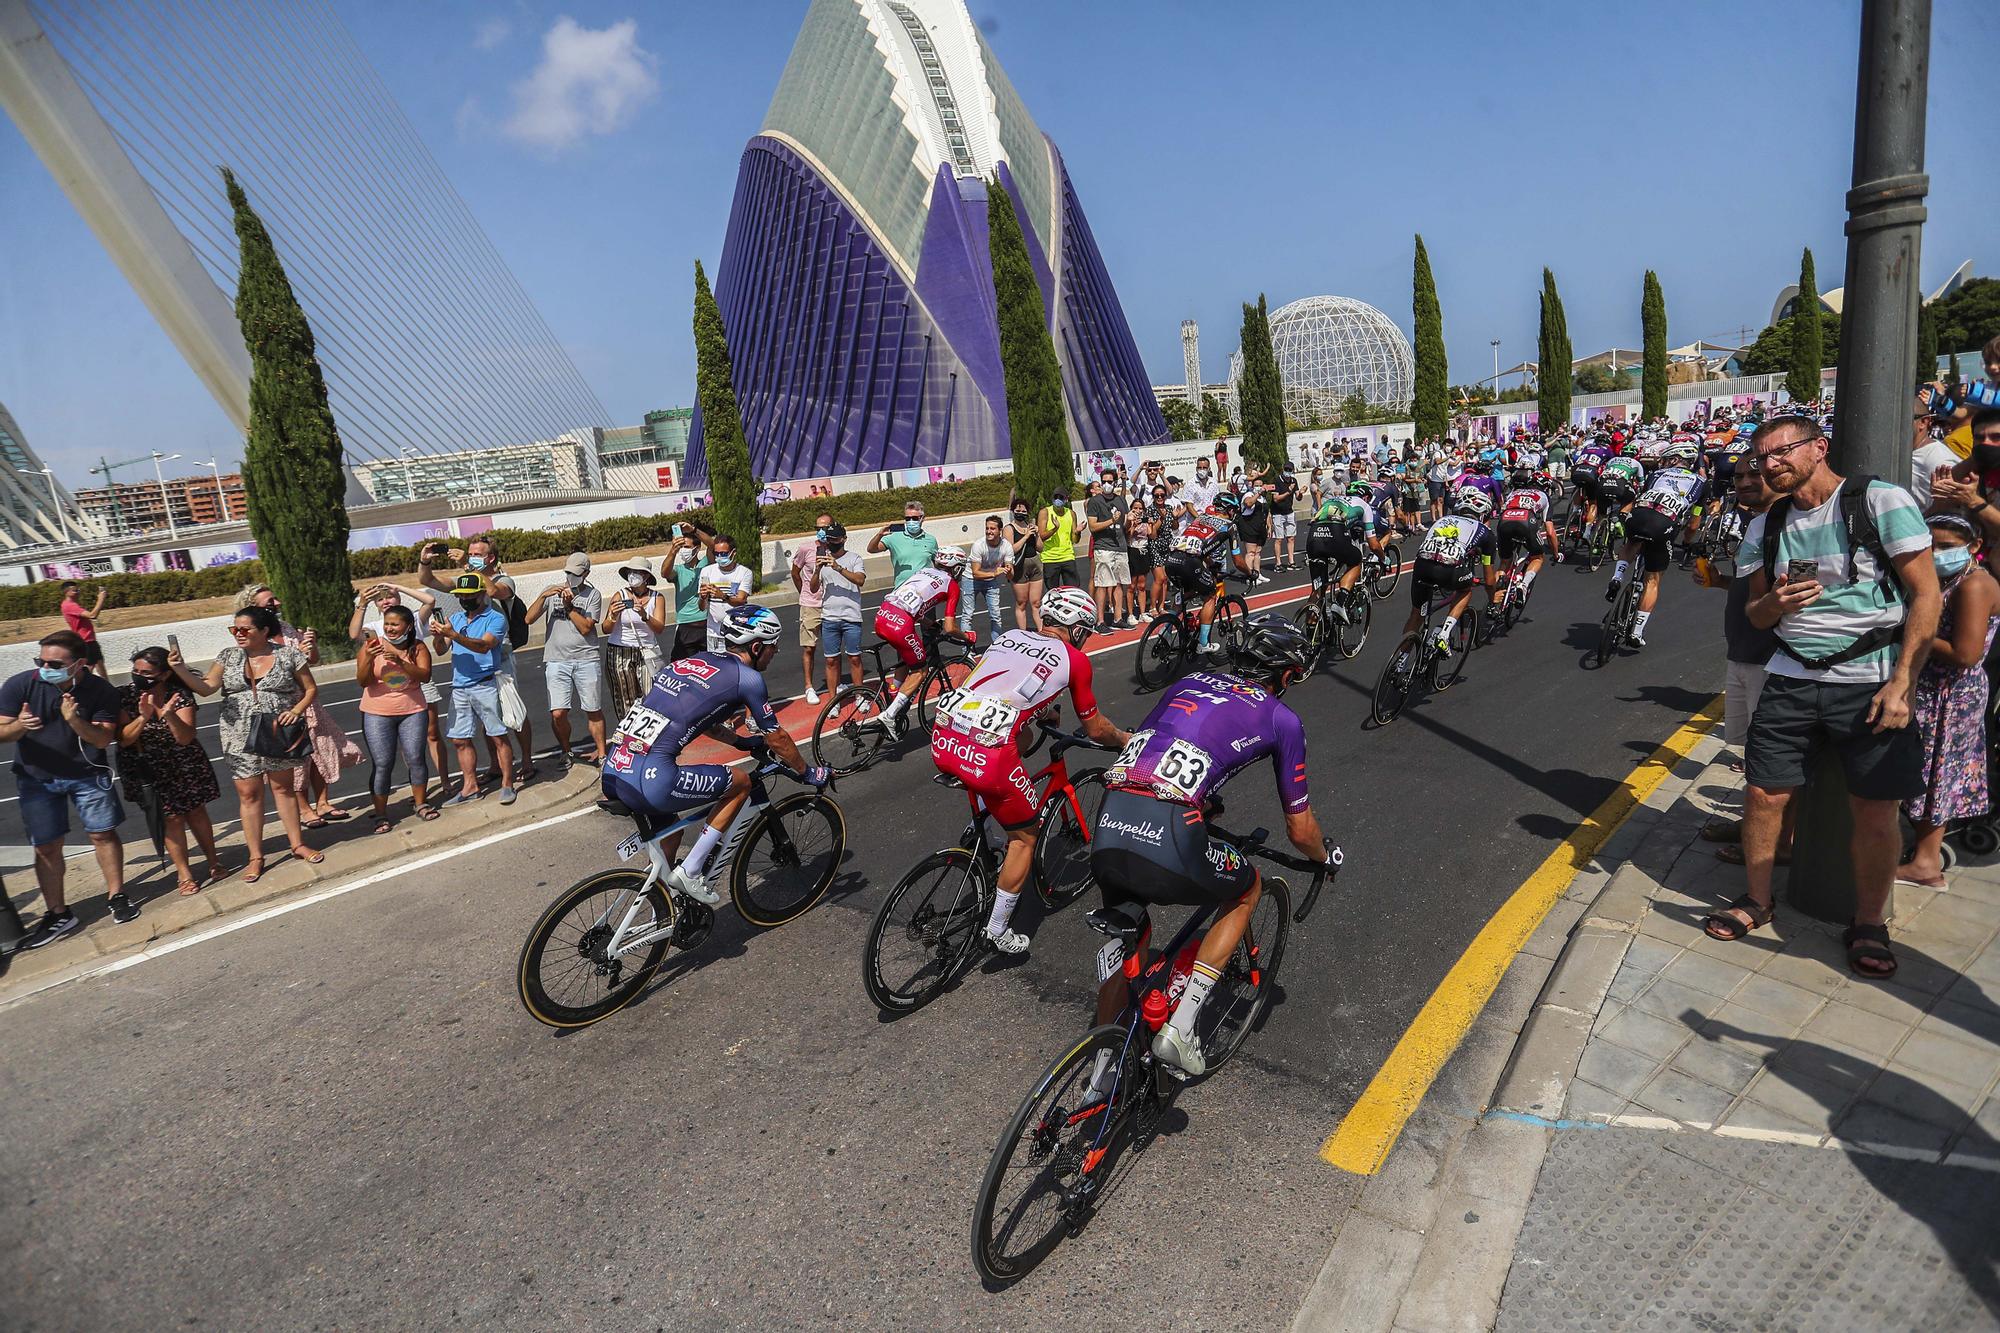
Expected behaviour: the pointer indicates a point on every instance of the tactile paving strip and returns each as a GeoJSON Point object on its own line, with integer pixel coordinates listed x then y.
{"type": "Point", "coordinates": [1636, 1230]}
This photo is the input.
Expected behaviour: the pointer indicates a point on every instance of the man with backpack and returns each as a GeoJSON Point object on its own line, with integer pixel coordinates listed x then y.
{"type": "Point", "coordinates": [1840, 568]}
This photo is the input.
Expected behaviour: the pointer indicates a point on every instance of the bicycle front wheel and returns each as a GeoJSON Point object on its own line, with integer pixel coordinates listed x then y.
{"type": "Point", "coordinates": [1312, 628]}
{"type": "Point", "coordinates": [566, 976]}
{"type": "Point", "coordinates": [1348, 638]}
{"type": "Point", "coordinates": [848, 735]}
{"type": "Point", "coordinates": [925, 930]}
{"type": "Point", "coordinates": [1385, 579]}
{"type": "Point", "coordinates": [788, 858]}
{"type": "Point", "coordinates": [1612, 629]}
{"type": "Point", "coordinates": [1243, 992]}
{"type": "Point", "coordinates": [1038, 1182]}
{"type": "Point", "coordinates": [1232, 624]}
{"type": "Point", "coordinates": [1062, 838]}
{"type": "Point", "coordinates": [1397, 681]}
{"type": "Point", "coordinates": [1162, 648]}
{"type": "Point", "coordinates": [950, 675]}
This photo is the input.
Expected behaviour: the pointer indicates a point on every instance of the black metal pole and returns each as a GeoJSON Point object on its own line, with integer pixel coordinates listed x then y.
{"type": "Point", "coordinates": [1878, 360]}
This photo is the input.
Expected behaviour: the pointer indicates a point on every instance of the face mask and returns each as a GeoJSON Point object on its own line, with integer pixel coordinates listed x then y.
{"type": "Point", "coordinates": [637, 582]}
{"type": "Point", "coordinates": [402, 640]}
{"type": "Point", "coordinates": [1986, 457]}
{"type": "Point", "coordinates": [725, 559]}
{"type": "Point", "coordinates": [1202, 474]}
{"type": "Point", "coordinates": [470, 605]}
{"type": "Point", "coordinates": [1020, 516]}
{"type": "Point", "coordinates": [913, 526]}
{"type": "Point", "coordinates": [685, 559]}
{"type": "Point", "coordinates": [822, 533]}
{"type": "Point", "coordinates": [576, 581]}
{"type": "Point", "coordinates": [53, 675]}
{"type": "Point", "coordinates": [475, 562]}
{"type": "Point", "coordinates": [1951, 561]}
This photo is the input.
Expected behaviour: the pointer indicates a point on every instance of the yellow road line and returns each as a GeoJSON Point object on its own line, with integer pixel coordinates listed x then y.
{"type": "Point", "coordinates": [1364, 1137]}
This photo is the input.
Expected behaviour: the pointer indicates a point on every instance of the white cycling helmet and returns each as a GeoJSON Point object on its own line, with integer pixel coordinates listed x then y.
{"type": "Point", "coordinates": [1069, 608]}
{"type": "Point", "coordinates": [1682, 453]}
{"type": "Point", "coordinates": [748, 626]}
{"type": "Point", "coordinates": [949, 559]}
{"type": "Point", "coordinates": [1472, 503]}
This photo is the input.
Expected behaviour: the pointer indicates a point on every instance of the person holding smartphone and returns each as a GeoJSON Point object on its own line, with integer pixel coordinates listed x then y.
{"type": "Point", "coordinates": [812, 597]}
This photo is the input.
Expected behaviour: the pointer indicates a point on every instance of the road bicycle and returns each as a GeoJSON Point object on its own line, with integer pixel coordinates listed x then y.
{"type": "Point", "coordinates": [1171, 638]}
{"type": "Point", "coordinates": [1415, 667]}
{"type": "Point", "coordinates": [1323, 629]}
{"type": "Point", "coordinates": [1575, 538]}
{"type": "Point", "coordinates": [1058, 1153]}
{"type": "Point", "coordinates": [1507, 600]}
{"type": "Point", "coordinates": [1382, 570]}
{"type": "Point", "coordinates": [1616, 630]}
{"type": "Point", "coordinates": [930, 930]}
{"type": "Point", "coordinates": [848, 735]}
{"type": "Point", "coordinates": [604, 937]}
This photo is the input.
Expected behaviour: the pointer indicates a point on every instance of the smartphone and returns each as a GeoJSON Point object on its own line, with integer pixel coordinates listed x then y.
{"type": "Point", "coordinates": [173, 643]}
{"type": "Point", "coordinates": [1802, 571]}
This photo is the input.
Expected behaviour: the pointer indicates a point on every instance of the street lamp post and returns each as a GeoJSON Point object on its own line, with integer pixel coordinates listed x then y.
{"type": "Point", "coordinates": [221, 498]}
{"type": "Point", "coordinates": [409, 476]}
{"type": "Point", "coordinates": [1495, 342]}
{"type": "Point", "coordinates": [173, 531]}
{"type": "Point", "coordinates": [55, 498]}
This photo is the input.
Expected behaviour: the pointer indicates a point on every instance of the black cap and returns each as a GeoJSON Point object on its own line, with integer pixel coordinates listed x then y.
{"type": "Point", "coordinates": [836, 531]}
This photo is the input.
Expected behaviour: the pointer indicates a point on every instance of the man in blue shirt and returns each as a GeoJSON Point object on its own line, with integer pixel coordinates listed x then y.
{"type": "Point", "coordinates": [475, 635]}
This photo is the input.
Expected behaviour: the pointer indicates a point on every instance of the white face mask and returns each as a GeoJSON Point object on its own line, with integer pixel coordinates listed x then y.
{"type": "Point", "coordinates": [636, 583]}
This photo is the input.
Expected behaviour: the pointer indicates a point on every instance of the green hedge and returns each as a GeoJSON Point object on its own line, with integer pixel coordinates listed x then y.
{"type": "Point", "coordinates": [858, 510]}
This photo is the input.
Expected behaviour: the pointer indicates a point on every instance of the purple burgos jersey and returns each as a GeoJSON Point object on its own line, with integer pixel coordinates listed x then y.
{"type": "Point", "coordinates": [1590, 455]}
{"type": "Point", "coordinates": [1208, 728]}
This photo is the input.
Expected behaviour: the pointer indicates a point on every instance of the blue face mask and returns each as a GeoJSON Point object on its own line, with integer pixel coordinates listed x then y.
{"type": "Point", "coordinates": [1951, 561]}
{"type": "Point", "coordinates": [913, 526]}
{"type": "Point", "coordinates": [1059, 505]}
{"type": "Point", "coordinates": [53, 675]}
{"type": "Point", "coordinates": [475, 562]}
{"type": "Point", "coordinates": [822, 533]}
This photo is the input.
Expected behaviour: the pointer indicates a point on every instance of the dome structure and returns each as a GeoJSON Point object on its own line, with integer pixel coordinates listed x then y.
{"type": "Point", "coordinates": [1329, 347]}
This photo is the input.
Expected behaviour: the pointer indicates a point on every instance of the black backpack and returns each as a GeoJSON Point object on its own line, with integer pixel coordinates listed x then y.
{"type": "Point", "coordinates": [1861, 532]}
{"type": "Point", "coordinates": [517, 620]}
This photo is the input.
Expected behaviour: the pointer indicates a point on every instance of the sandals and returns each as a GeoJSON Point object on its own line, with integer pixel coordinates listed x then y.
{"type": "Point", "coordinates": [188, 888]}
{"type": "Point", "coordinates": [382, 824]}
{"type": "Point", "coordinates": [308, 855]}
{"type": "Point", "coordinates": [1722, 830]}
{"type": "Point", "coordinates": [335, 815]}
{"type": "Point", "coordinates": [1722, 926]}
{"type": "Point", "coordinates": [315, 822]}
{"type": "Point", "coordinates": [254, 871]}
{"type": "Point", "coordinates": [427, 812]}
{"type": "Point", "coordinates": [1866, 946]}
{"type": "Point", "coordinates": [1731, 853]}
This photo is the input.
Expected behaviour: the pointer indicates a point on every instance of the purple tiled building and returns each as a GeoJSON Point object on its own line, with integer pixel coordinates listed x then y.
{"type": "Point", "coordinates": [855, 284]}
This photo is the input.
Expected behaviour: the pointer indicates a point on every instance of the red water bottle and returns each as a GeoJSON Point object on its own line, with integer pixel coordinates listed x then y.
{"type": "Point", "coordinates": [1154, 1009]}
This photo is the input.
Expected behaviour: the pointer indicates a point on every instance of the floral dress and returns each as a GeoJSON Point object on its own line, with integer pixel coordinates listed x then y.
{"type": "Point", "coordinates": [279, 691]}
{"type": "Point", "coordinates": [182, 774]}
{"type": "Point", "coordinates": [1949, 710]}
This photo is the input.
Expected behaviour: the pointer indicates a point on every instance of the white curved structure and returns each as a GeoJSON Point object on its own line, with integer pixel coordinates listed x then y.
{"type": "Point", "coordinates": [1329, 347]}
{"type": "Point", "coordinates": [35, 510]}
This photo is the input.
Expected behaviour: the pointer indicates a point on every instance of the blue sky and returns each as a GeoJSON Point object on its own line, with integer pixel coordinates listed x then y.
{"type": "Point", "coordinates": [1287, 148]}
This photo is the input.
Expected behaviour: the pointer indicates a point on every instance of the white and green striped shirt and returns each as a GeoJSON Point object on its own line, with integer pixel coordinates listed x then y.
{"type": "Point", "coordinates": [1845, 611]}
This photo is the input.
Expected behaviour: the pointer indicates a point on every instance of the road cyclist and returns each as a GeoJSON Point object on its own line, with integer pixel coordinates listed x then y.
{"type": "Point", "coordinates": [1525, 525]}
{"type": "Point", "coordinates": [1345, 527]}
{"type": "Point", "coordinates": [1201, 555]}
{"type": "Point", "coordinates": [1671, 502]}
{"type": "Point", "coordinates": [925, 595]}
{"type": "Point", "coordinates": [1456, 556]}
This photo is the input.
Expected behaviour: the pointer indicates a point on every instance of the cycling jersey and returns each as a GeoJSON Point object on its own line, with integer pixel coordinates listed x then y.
{"type": "Point", "coordinates": [1622, 473]}
{"type": "Point", "coordinates": [978, 723]}
{"type": "Point", "coordinates": [1489, 486]}
{"type": "Point", "coordinates": [1526, 505]}
{"type": "Point", "coordinates": [1456, 541]}
{"type": "Point", "coordinates": [687, 697]}
{"type": "Point", "coordinates": [1208, 728]}
{"type": "Point", "coordinates": [1197, 553]}
{"type": "Point", "coordinates": [899, 620]}
{"type": "Point", "coordinates": [1592, 456]}
{"type": "Point", "coordinates": [1355, 517]}
{"type": "Point", "coordinates": [1673, 492]}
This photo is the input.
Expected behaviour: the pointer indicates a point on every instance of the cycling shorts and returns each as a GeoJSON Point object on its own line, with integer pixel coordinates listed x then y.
{"type": "Point", "coordinates": [1651, 529]}
{"type": "Point", "coordinates": [899, 627]}
{"type": "Point", "coordinates": [1338, 546]}
{"type": "Point", "coordinates": [1191, 574]}
{"type": "Point", "coordinates": [1519, 533]}
{"type": "Point", "coordinates": [1585, 479]}
{"type": "Point", "coordinates": [657, 789]}
{"type": "Point", "coordinates": [1147, 850]}
{"type": "Point", "coordinates": [993, 773]}
{"type": "Point", "coordinates": [1432, 577]}
{"type": "Point", "coordinates": [1617, 494]}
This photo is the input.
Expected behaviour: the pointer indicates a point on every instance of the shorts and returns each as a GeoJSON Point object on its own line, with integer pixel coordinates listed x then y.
{"type": "Point", "coordinates": [433, 696]}
{"type": "Point", "coordinates": [809, 618]}
{"type": "Point", "coordinates": [1436, 489]}
{"type": "Point", "coordinates": [1651, 529]}
{"type": "Point", "coordinates": [1338, 546]}
{"type": "Point", "coordinates": [1252, 531]}
{"type": "Point", "coordinates": [993, 773]}
{"type": "Point", "coordinates": [575, 685]}
{"type": "Point", "coordinates": [1140, 561]}
{"type": "Point", "coordinates": [1585, 479]}
{"type": "Point", "coordinates": [1108, 568]}
{"type": "Point", "coordinates": [1432, 577]}
{"type": "Point", "coordinates": [899, 627]}
{"type": "Point", "coordinates": [1152, 851]}
{"type": "Point", "coordinates": [657, 786]}
{"type": "Point", "coordinates": [1517, 532]}
{"type": "Point", "coordinates": [839, 638]}
{"type": "Point", "coordinates": [1617, 494]}
{"type": "Point", "coordinates": [1743, 686]}
{"type": "Point", "coordinates": [1190, 574]}
{"type": "Point", "coordinates": [1028, 571]}
{"type": "Point", "coordinates": [1792, 714]}
{"type": "Point", "coordinates": [1284, 527]}
{"type": "Point", "coordinates": [689, 639]}
{"type": "Point", "coordinates": [1061, 573]}
{"type": "Point", "coordinates": [45, 806]}
{"type": "Point", "coordinates": [475, 703]}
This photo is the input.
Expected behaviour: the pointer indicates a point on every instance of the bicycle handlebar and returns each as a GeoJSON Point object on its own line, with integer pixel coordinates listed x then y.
{"type": "Point", "coordinates": [1069, 740]}
{"type": "Point", "coordinates": [1321, 871]}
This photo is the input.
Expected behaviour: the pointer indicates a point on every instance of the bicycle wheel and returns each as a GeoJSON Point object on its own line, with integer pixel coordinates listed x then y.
{"type": "Point", "coordinates": [565, 978]}
{"type": "Point", "coordinates": [1312, 628]}
{"type": "Point", "coordinates": [846, 736]}
{"type": "Point", "coordinates": [1243, 992]}
{"type": "Point", "coordinates": [1517, 602]}
{"type": "Point", "coordinates": [1057, 1141]}
{"type": "Point", "coordinates": [787, 859]}
{"type": "Point", "coordinates": [1162, 649]}
{"type": "Point", "coordinates": [1397, 681]}
{"type": "Point", "coordinates": [1448, 672]}
{"type": "Point", "coordinates": [1062, 838]}
{"type": "Point", "coordinates": [1385, 579]}
{"type": "Point", "coordinates": [949, 676]}
{"type": "Point", "coordinates": [1612, 628]}
{"type": "Point", "coordinates": [1232, 625]}
{"type": "Point", "coordinates": [925, 930]}
{"type": "Point", "coordinates": [1348, 637]}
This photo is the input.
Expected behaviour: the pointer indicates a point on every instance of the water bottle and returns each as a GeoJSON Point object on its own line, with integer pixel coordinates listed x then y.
{"type": "Point", "coordinates": [1183, 969]}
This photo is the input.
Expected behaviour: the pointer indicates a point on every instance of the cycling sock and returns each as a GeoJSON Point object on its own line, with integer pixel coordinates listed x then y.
{"type": "Point", "coordinates": [1004, 904]}
{"type": "Point", "coordinates": [1528, 579]}
{"type": "Point", "coordinates": [1205, 629]}
{"type": "Point", "coordinates": [1450, 624]}
{"type": "Point", "coordinates": [899, 703]}
{"type": "Point", "coordinates": [1619, 574]}
{"type": "Point", "coordinates": [1639, 625]}
{"type": "Point", "coordinates": [697, 857]}
{"type": "Point", "coordinates": [1199, 983]}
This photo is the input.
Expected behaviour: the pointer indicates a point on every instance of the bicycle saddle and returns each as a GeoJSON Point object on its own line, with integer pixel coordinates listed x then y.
{"type": "Point", "coordinates": [1125, 922]}
{"type": "Point", "coordinates": [946, 780]}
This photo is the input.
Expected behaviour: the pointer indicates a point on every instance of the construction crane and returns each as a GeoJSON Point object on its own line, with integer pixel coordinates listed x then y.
{"type": "Point", "coordinates": [108, 469]}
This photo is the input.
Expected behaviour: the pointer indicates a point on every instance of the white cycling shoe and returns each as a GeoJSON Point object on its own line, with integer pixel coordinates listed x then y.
{"type": "Point", "coordinates": [1182, 1051]}
{"type": "Point", "coordinates": [694, 886]}
{"type": "Point", "coordinates": [1008, 941]}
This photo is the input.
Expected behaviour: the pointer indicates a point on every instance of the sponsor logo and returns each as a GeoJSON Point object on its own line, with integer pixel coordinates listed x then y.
{"type": "Point", "coordinates": [966, 753]}
{"type": "Point", "coordinates": [1019, 779]}
{"type": "Point", "coordinates": [1224, 857]}
{"type": "Point", "coordinates": [619, 760]}
{"type": "Point", "coordinates": [1243, 743]}
{"type": "Point", "coordinates": [696, 667]}
{"type": "Point", "coordinates": [1151, 834]}
{"type": "Point", "coordinates": [700, 784]}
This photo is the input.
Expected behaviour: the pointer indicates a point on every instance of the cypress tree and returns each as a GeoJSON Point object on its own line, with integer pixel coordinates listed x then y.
{"type": "Point", "coordinates": [1927, 342]}
{"type": "Point", "coordinates": [1552, 382]}
{"type": "Point", "coordinates": [729, 476]}
{"type": "Point", "coordinates": [1808, 354]}
{"type": "Point", "coordinates": [1261, 392]}
{"type": "Point", "coordinates": [1037, 435]}
{"type": "Point", "coordinates": [1431, 406]}
{"type": "Point", "coordinates": [294, 484]}
{"type": "Point", "coordinates": [1653, 374]}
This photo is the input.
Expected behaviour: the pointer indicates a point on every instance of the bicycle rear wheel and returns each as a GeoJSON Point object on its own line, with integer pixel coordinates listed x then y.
{"type": "Point", "coordinates": [564, 977]}
{"type": "Point", "coordinates": [1032, 1193]}
{"type": "Point", "coordinates": [1448, 672]}
{"type": "Point", "coordinates": [1612, 628]}
{"type": "Point", "coordinates": [1312, 628]}
{"type": "Point", "coordinates": [950, 676]}
{"type": "Point", "coordinates": [846, 736]}
{"type": "Point", "coordinates": [1062, 838]}
{"type": "Point", "coordinates": [1396, 683]}
{"type": "Point", "coordinates": [1243, 992]}
{"type": "Point", "coordinates": [925, 930]}
{"type": "Point", "coordinates": [1385, 579]}
{"type": "Point", "coordinates": [1162, 649]}
{"type": "Point", "coordinates": [1350, 636]}
{"type": "Point", "coordinates": [788, 858]}
{"type": "Point", "coordinates": [1232, 624]}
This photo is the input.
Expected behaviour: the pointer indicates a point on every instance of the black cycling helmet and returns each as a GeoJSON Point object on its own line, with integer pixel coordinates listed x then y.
{"type": "Point", "coordinates": [1276, 652]}
{"type": "Point", "coordinates": [1522, 479]}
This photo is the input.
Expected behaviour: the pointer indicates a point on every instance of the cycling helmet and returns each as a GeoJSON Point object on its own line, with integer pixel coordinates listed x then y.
{"type": "Point", "coordinates": [949, 559]}
{"type": "Point", "coordinates": [1472, 503]}
{"type": "Point", "coordinates": [1275, 652]}
{"type": "Point", "coordinates": [1228, 500]}
{"type": "Point", "coordinates": [1522, 479]}
{"type": "Point", "coordinates": [748, 626]}
{"type": "Point", "coordinates": [1070, 608]}
{"type": "Point", "coordinates": [1544, 480]}
{"type": "Point", "coordinates": [1682, 453]}
{"type": "Point", "coordinates": [1360, 490]}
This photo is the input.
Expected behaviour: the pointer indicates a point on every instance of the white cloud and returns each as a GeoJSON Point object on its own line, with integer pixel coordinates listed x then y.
{"type": "Point", "coordinates": [590, 81]}
{"type": "Point", "coordinates": [490, 33]}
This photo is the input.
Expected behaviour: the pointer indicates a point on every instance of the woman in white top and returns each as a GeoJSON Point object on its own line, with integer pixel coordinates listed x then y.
{"type": "Point", "coordinates": [632, 624]}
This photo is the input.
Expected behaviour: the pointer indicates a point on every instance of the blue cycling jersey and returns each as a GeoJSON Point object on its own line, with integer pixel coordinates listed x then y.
{"type": "Point", "coordinates": [686, 698]}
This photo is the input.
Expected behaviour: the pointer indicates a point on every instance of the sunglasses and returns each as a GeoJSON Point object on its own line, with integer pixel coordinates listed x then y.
{"type": "Point", "coordinates": [54, 666]}
{"type": "Point", "coordinates": [240, 630]}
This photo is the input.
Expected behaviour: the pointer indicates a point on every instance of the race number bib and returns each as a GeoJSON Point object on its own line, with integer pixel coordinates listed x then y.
{"type": "Point", "coordinates": [1121, 768]}
{"type": "Point", "coordinates": [1182, 769]}
{"type": "Point", "coordinates": [641, 727]}
{"type": "Point", "coordinates": [990, 721]}
{"type": "Point", "coordinates": [1445, 542]}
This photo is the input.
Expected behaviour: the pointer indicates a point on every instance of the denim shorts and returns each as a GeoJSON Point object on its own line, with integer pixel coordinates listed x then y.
{"type": "Point", "coordinates": [475, 703]}
{"type": "Point", "coordinates": [578, 684]}
{"type": "Point", "coordinates": [840, 638]}
{"type": "Point", "coordinates": [45, 806]}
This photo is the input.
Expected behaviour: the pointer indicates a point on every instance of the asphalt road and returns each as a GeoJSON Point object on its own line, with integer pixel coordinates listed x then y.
{"type": "Point", "coordinates": [343, 1118]}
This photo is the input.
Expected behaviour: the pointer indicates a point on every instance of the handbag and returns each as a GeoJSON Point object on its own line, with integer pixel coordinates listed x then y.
{"type": "Point", "coordinates": [270, 738]}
